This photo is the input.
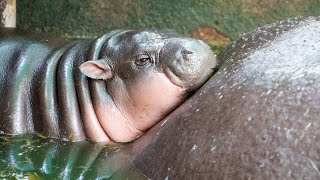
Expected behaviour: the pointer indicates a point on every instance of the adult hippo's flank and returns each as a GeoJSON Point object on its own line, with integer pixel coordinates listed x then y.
{"type": "Point", "coordinates": [136, 78]}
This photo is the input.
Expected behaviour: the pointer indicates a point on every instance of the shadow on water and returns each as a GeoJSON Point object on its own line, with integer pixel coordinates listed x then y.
{"type": "Point", "coordinates": [34, 157]}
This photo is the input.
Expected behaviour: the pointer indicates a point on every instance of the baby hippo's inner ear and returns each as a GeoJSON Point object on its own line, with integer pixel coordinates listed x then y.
{"type": "Point", "coordinates": [97, 69]}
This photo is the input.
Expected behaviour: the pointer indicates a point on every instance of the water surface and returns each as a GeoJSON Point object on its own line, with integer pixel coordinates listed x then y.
{"type": "Point", "coordinates": [36, 157]}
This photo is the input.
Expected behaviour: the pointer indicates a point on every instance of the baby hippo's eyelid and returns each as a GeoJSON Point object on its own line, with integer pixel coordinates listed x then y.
{"type": "Point", "coordinates": [142, 60]}
{"type": "Point", "coordinates": [142, 56]}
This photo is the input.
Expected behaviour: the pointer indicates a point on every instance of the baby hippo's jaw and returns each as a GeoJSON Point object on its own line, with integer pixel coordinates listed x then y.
{"type": "Point", "coordinates": [139, 106]}
{"type": "Point", "coordinates": [153, 99]}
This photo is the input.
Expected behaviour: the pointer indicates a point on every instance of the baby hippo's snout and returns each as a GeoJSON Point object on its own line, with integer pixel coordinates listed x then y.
{"type": "Point", "coordinates": [187, 62]}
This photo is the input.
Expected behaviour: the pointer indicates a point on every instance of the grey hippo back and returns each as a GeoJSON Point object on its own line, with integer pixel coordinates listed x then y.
{"type": "Point", "coordinates": [257, 117]}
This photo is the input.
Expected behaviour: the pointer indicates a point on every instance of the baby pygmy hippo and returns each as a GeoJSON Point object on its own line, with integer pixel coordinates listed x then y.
{"type": "Point", "coordinates": [112, 88]}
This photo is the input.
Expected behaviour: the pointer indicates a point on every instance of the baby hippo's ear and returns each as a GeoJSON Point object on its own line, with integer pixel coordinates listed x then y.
{"type": "Point", "coordinates": [98, 69]}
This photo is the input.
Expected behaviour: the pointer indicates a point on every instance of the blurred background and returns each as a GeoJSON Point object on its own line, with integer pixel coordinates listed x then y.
{"type": "Point", "coordinates": [215, 21]}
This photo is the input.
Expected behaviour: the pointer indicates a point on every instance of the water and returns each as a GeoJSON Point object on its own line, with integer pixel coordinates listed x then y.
{"type": "Point", "coordinates": [36, 157]}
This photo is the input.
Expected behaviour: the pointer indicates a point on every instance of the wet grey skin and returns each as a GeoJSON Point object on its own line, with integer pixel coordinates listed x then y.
{"type": "Point", "coordinates": [43, 90]}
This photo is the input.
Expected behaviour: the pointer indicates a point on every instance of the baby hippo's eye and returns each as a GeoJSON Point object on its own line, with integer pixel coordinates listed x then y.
{"type": "Point", "coordinates": [143, 60]}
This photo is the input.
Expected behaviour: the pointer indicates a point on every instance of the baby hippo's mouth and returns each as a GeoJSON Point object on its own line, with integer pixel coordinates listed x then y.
{"type": "Point", "coordinates": [174, 78]}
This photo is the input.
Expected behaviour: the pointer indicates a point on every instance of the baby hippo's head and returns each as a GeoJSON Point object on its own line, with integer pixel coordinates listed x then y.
{"type": "Point", "coordinates": [149, 73]}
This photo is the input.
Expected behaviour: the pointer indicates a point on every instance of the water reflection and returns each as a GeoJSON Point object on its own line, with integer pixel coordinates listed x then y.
{"type": "Point", "coordinates": [34, 157]}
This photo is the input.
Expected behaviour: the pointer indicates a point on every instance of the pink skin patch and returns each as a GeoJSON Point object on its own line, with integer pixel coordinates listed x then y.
{"type": "Point", "coordinates": [138, 107]}
{"type": "Point", "coordinates": [149, 100]}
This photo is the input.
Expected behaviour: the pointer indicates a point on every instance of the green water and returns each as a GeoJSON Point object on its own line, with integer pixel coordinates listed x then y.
{"type": "Point", "coordinates": [35, 157]}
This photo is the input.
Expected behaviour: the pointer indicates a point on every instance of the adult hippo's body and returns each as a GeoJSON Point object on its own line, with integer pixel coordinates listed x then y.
{"type": "Point", "coordinates": [112, 88]}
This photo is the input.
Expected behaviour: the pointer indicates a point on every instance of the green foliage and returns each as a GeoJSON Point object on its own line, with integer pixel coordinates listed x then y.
{"type": "Point", "coordinates": [87, 18]}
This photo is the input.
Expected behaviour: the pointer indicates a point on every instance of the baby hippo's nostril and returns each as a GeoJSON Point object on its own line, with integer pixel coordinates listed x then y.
{"type": "Point", "coordinates": [186, 52]}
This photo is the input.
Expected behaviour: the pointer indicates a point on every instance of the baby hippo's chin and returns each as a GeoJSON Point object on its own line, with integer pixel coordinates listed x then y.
{"type": "Point", "coordinates": [160, 96]}
{"type": "Point", "coordinates": [125, 118]}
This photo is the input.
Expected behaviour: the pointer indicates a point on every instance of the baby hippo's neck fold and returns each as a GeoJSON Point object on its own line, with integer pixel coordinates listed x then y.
{"type": "Point", "coordinates": [114, 122]}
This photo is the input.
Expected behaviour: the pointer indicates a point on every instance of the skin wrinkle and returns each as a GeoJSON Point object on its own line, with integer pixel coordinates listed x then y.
{"type": "Point", "coordinates": [121, 111]}
{"type": "Point", "coordinates": [97, 117]}
{"type": "Point", "coordinates": [157, 58]}
{"type": "Point", "coordinates": [69, 102]}
{"type": "Point", "coordinates": [175, 76]}
{"type": "Point", "coordinates": [125, 91]}
{"type": "Point", "coordinates": [125, 119]}
{"type": "Point", "coordinates": [99, 122]}
{"type": "Point", "coordinates": [50, 95]}
{"type": "Point", "coordinates": [125, 115]}
{"type": "Point", "coordinates": [90, 98]}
